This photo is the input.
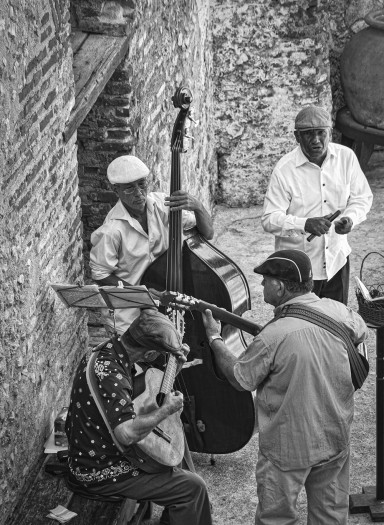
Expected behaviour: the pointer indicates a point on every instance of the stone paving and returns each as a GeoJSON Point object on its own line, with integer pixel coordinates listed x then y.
{"type": "Point", "coordinates": [231, 481]}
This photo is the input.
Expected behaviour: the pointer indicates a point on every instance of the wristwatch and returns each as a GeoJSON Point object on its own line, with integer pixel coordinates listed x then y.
{"type": "Point", "coordinates": [213, 338]}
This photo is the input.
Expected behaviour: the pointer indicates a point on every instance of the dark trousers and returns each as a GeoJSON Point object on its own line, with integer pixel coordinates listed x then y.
{"type": "Point", "coordinates": [336, 288]}
{"type": "Point", "coordinates": [181, 492]}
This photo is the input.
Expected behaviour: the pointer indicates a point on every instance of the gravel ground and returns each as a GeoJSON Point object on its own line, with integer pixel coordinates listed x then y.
{"type": "Point", "coordinates": [231, 481]}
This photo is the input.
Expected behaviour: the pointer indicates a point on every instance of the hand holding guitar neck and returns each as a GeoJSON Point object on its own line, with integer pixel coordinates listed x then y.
{"type": "Point", "coordinates": [185, 302]}
{"type": "Point", "coordinates": [331, 218]}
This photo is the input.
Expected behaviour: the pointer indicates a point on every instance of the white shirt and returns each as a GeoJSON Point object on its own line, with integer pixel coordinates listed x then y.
{"type": "Point", "coordinates": [121, 247]}
{"type": "Point", "coordinates": [299, 190]}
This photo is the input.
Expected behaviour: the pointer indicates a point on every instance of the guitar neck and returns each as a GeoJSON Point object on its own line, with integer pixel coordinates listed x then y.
{"type": "Point", "coordinates": [227, 317]}
{"type": "Point", "coordinates": [168, 379]}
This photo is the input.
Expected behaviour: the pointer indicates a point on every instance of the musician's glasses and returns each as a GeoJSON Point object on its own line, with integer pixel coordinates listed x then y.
{"type": "Point", "coordinates": [130, 189]}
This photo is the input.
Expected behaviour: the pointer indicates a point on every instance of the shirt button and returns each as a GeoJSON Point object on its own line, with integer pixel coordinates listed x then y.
{"type": "Point", "coordinates": [326, 247]}
{"type": "Point", "coordinates": [323, 184]}
{"type": "Point", "coordinates": [141, 460]}
{"type": "Point", "coordinates": [325, 201]}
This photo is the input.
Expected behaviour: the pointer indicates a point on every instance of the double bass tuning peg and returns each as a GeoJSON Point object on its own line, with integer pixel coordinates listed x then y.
{"type": "Point", "coordinates": [191, 115]}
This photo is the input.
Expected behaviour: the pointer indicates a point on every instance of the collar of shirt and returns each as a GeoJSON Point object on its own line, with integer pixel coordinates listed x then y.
{"type": "Point", "coordinates": [306, 298]}
{"type": "Point", "coordinates": [122, 354]}
{"type": "Point", "coordinates": [120, 212]}
{"type": "Point", "coordinates": [301, 159]}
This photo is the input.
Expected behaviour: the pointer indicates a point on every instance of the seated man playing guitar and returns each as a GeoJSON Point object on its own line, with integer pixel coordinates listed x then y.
{"type": "Point", "coordinates": [106, 430]}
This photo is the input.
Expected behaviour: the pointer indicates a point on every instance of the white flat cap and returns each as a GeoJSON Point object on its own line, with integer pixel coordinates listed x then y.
{"type": "Point", "coordinates": [126, 169]}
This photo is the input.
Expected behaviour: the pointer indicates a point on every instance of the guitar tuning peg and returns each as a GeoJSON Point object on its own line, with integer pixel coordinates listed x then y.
{"type": "Point", "coordinates": [189, 137]}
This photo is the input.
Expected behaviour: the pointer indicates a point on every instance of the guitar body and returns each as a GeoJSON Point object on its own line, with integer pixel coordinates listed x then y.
{"type": "Point", "coordinates": [221, 419]}
{"type": "Point", "coordinates": [169, 451]}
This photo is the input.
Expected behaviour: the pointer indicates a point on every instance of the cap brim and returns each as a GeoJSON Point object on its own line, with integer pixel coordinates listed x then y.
{"type": "Point", "coordinates": [314, 127]}
{"type": "Point", "coordinates": [260, 269]}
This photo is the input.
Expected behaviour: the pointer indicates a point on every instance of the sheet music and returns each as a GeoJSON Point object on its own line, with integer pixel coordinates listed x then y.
{"type": "Point", "coordinates": [128, 297]}
{"type": "Point", "coordinates": [87, 296]}
{"type": "Point", "coordinates": [111, 297]}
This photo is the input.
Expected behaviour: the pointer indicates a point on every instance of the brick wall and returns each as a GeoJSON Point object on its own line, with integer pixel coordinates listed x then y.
{"type": "Point", "coordinates": [41, 198]}
{"type": "Point", "coordinates": [40, 234]}
{"type": "Point", "coordinates": [270, 57]}
{"type": "Point", "coordinates": [169, 47]}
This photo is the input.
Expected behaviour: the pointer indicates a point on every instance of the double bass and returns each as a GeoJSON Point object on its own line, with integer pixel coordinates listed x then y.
{"type": "Point", "coordinates": [217, 418]}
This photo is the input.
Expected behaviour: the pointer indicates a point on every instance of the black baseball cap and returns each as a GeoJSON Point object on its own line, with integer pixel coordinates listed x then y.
{"type": "Point", "coordinates": [289, 265]}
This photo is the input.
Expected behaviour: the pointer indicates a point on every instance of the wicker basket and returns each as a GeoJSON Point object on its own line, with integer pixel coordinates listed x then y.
{"type": "Point", "coordinates": [371, 312]}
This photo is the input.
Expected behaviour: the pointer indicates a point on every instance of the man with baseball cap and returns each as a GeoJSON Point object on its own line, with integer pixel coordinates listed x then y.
{"type": "Point", "coordinates": [307, 186]}
{"type": "Point", "coordinates": [135, 231]}
{"type": "Point", "coordinates": [304, 400]}
{"type": "Point", "coordinates": [96, 465]}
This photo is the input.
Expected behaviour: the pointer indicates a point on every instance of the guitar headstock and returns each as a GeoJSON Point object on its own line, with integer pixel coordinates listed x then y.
{"type": "Point", "coordinates": [177, 318]}
{"type": "Point", "coordinates": [177, 300]}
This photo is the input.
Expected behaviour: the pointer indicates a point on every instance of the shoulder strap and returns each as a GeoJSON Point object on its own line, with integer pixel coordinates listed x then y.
{"type": "Point", "coordinates": [358, 363]}
{"type": "Point", "coordinates": [93, 387]}
{"type": "Point", "coordinates": [134, 454]}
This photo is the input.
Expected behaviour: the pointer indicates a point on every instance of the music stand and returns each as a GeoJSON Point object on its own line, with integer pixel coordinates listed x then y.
{"type": "Point", "coordinates": [110, 297]}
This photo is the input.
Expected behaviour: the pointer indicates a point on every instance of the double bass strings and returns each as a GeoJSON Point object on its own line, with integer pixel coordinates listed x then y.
{"type": "Point", "coordinates": [174, 277]}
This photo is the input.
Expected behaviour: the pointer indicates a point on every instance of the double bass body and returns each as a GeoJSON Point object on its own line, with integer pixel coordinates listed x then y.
{"type": "Point", "coordinates": [217, 418]}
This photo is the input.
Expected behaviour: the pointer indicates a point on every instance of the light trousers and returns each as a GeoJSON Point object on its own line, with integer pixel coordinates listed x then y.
{"type": "Point", "coordinates": [326, 485]}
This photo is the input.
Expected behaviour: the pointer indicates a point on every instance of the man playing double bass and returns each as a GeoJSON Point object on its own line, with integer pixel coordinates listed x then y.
{"type": "Point", "coordinates": [135, 231]}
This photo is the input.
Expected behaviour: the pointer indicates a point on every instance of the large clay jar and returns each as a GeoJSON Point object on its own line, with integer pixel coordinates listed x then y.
{"type": "Point", "coordinates": [362, 72]}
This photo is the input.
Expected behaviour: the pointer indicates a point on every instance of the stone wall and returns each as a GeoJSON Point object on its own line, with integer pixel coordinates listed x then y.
{"type": "Point", "coordinates": [169, 48]}
{"type": "Point", "coordinates": [270, 59]}
{"type": "Point", "coordinates": [41, 198]}
{"type": "Point", "coordinates": [40, 234]}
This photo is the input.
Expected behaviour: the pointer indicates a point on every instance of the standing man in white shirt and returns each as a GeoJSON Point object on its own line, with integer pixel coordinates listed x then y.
{"type": "Point", "coordinates": [135, 231]}
{"type": "Point", "coordinates": [307, 186]}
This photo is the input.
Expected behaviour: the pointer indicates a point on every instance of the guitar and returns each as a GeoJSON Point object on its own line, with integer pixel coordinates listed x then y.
{"type": "Point", "coordinates": [165, 444]}
{"type": "Point", "coordinates": [186, 302]}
